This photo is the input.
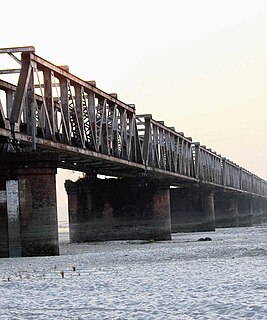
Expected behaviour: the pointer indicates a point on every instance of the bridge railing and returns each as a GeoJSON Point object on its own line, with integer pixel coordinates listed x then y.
{"type": "Point", "coordinates": [246, 180]}
{"type": "Point", "coordinates": [7, 92]}
{"type": "Point", "coordinates": [208, 165]}
{"type": "Point", "coordinates": [213, 168]}
{"type": "Point", "coordinates": [231, 174]}
{"type": "Point", "coordinates": [51, 103]}
{"type": "Point", "coordinates": [263, 187]}
{"type": "Point", "coordinates": [164, 148]}
{"type": "Point", "coordinates": [259, 186]}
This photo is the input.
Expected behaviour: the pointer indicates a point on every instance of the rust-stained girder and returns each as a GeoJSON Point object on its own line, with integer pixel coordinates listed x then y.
{"type": "Point", "coordinates": [49, 109]}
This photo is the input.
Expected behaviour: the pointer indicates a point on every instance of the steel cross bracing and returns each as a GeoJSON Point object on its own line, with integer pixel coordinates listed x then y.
{"type": "Point", "coordinates": [44, 107]}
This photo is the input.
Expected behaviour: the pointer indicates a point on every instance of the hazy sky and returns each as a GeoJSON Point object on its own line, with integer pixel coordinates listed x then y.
{"type": "Point", "coordinates": [201, 66]}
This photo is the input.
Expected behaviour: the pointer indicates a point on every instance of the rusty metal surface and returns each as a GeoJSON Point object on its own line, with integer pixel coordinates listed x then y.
{"type": "Point", "coordinates": [49, 109]}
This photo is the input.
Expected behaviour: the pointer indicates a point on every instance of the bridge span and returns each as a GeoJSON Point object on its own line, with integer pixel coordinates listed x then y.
{"type": "Point", "coordinates": [164, 182]}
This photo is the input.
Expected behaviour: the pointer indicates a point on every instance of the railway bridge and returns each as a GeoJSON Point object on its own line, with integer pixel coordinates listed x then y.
{"type": "Point", "coordinates": [160, 180]}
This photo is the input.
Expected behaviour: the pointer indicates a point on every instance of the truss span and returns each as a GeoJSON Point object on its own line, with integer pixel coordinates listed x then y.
{"type": "Point", "coordinates": [43, 107]}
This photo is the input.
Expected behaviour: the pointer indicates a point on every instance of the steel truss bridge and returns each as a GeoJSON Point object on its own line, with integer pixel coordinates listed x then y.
{"type": "Point", "coordinates": [45, 108]}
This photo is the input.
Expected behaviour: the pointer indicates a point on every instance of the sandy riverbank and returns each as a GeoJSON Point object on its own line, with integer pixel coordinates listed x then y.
{"type": "Point", "coordinates": [225, 278]}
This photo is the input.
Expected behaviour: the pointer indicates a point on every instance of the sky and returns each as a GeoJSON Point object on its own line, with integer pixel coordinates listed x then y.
{"type": "Point", "coordinates": [201, 66]}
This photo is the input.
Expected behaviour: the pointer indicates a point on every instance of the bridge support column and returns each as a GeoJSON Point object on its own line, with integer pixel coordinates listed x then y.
{"type": "Point", "coordinates": [28, 209]}
{"type": "Point", "coordinates": [118, 209]}
{"type": "Point", "coordinates": [226, 210]}
{"type": "Point", "coordinates": [244, 211]}
{"type": "Point", "coordinates": [264, 210]}
{"type": "Point", "coordinates": [192, 210]}
{"type": "Point", "coordinates": [4, 250]}
{"type": "Point", "coordinates": [256, 211]}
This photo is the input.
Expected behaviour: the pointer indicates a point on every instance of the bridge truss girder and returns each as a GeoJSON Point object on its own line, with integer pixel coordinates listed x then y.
{"type": "Point", "coordinates": [50, 109]}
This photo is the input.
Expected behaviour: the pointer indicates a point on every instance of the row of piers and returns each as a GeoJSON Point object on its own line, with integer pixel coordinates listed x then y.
{"type": "Point", "coordinates": [117, 209]}
{"type": "Point", "coordinates": [204, 209]}
{"type": "Point", "coordinates": [107, 209]}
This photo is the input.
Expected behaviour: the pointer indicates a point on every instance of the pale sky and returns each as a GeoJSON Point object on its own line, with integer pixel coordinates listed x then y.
{"type": "Point", "coordinates": [201, 66]}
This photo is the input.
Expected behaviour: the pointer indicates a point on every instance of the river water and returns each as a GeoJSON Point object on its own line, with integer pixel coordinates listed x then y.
{"type": "Point", "coordinates": [184, 278]}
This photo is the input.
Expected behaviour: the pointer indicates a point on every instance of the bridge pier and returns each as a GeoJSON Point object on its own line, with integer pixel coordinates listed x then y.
{"type": "Point", "coordinates": [244, 211]}
{"type": "Point", "coordinates": [192, 210]}
{"type": "Point", "coordinates": [226, 210]}
{"type": "Point", "coordinates": [4, 248]}
{"type": "Point", "coordinates": [28, 208]}
{"type": "Point", "coordinates": [264, 210]}
{"type": "Point", "coordinates": [256, 211]}
{"type": "Point", "coordinates": [118, 209]}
